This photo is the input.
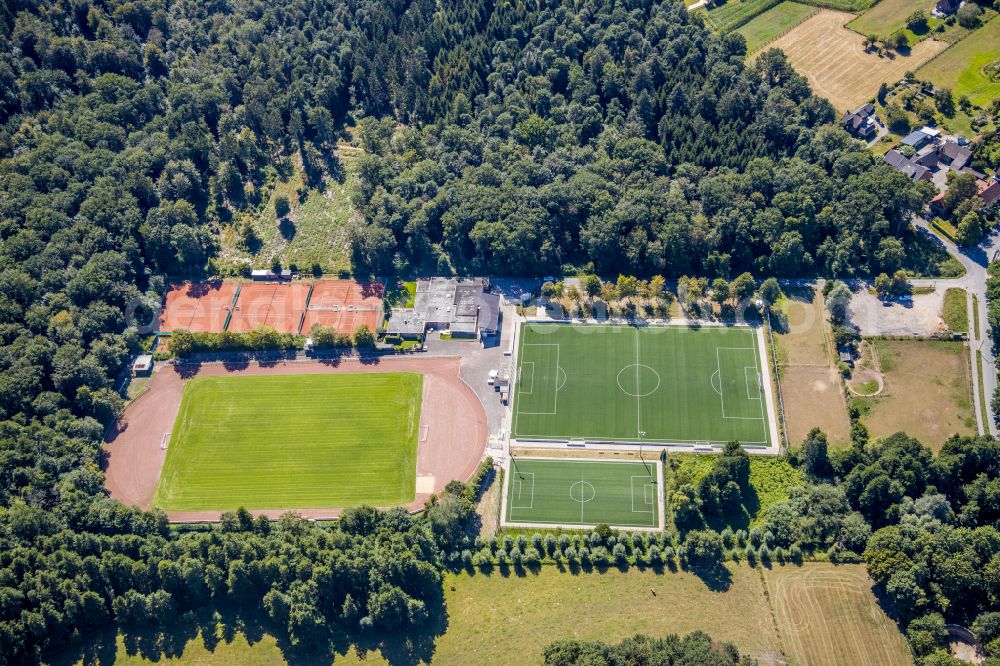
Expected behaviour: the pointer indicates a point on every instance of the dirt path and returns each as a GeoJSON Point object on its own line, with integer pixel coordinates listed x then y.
{"type": "Point", "coordinates": [453, 429]}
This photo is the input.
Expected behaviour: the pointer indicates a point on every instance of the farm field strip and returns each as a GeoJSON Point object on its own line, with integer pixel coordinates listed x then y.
{"type": "Point", "coordinates": [834, 61]}
{"type": "Point", "coordinates": [765, 28]}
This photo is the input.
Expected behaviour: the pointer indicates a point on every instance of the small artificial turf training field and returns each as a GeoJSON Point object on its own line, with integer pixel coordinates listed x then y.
{"type": "Point", "coordinates": [583, 492]}
{"type": "Point", "coordinates": [665, 384]}
{"type": "Point", "coordinates": [293, 442]}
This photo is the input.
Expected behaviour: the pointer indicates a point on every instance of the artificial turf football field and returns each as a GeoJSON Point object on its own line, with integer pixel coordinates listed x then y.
{"type": "Point", "coordinates": [293, 442]}
{"type": "Point", "coordinates": [667, 384]}
{"type": "Point", "coordinates": [582, 492]}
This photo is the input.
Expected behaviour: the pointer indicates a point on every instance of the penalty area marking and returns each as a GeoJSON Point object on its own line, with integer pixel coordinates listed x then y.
{"type": "Point", "coordinates": [648, 493]}
{"type": "Point", "coordinates": [555, 392]}
{"type": "Point", "coordinates": [519, 478]}
{"type": "Point", "coordinates": [755, 381]}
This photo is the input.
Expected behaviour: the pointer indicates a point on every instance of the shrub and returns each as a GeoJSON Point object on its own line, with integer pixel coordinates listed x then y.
{"type": "Point", "coordinates": [282, 207]}
{"type": "Point", "coordinates": [968, 15]}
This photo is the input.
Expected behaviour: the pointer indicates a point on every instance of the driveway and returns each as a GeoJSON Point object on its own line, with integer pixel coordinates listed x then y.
{"type": "Point", "coordinates": [975, 260]}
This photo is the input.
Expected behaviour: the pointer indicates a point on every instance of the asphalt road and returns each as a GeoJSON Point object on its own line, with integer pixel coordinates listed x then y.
{"type": "Point", "coordinates": [975, 260]}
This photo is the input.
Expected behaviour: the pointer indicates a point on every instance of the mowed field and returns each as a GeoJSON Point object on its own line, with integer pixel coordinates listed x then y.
{"type": "Point", "coordinates": [773, 23]}
{"type": "Point", "coordinates": [829, 616]}
{"type": "Point", "coordinates": [832, 58]}
{"type": "Point", "coordinates": [960, 68]}
{"type": "Point", "coordinates": [810, 385]}
{"type": "Point", "coordinates": [662, 384]}
{"type": "Point", "coordinates": [293, 441]}
{"type": "Point", "coordinates": [499, 619]}
{"type": "Point", "coordinates": [583, 492]}
{"type": "Point", "coordinates": [922, 377]}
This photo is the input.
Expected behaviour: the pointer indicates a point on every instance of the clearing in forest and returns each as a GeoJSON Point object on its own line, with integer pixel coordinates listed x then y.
{"type": "Point", "coordinates": [828, 616]}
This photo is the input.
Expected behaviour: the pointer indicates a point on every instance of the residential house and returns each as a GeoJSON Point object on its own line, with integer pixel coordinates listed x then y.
{"type": "Point", "coordinates": [902, 163]}
{"type": "Point", "coordinates": [954, 155]}
{"type": "Point", "coordinates": [861, 123]}
{"type": "Point", "coordinates": [989, 192]}
{"type": "Point", "coordinates": [945, 8]}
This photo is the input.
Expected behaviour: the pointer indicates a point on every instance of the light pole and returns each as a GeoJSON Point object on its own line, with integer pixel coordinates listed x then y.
{"type": "Point", "coordinates": [642, 433]}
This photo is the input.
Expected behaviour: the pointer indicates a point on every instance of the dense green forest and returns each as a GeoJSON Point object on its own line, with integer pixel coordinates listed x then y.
{"type": "Point", "coordinates": [500, 137]}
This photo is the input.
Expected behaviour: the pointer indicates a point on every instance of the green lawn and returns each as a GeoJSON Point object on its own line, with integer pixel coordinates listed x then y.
{"type": "Point", "coordinates": [583, 492]}
{"type": "Point", "coordinates": [960, 68]}
{"type": "Point", "coordinates": [731, 15]}
{"type": "Point", "coordinates": [669, 384]}
{"type": "Point", "coordinates": [297, 441]}
{"type": "Point", "coordinates": [955, 312]}
{"type": "Point", "coordinates": [773, 23]}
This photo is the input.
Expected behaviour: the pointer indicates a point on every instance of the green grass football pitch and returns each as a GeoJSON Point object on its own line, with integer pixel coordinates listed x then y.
{"type": "Point", "coordinates": [582, 492]}
{"type": "Point", "coordinates": [666, 384]}
{"type": "Point", "coordinates": [293, 442]}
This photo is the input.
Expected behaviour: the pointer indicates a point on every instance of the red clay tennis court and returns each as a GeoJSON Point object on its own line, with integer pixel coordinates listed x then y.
{"type": "Point", "coordinates": [343, 305]}
{"type": "Point", "coordinates": [278, 306]}
{"type": "Point", "coordinates": [201, 307]}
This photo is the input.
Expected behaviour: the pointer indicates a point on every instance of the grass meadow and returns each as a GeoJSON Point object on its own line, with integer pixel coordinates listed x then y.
{"type": "Point", "coordinates": [773, 23]}
{"type": "Point", "coordinates": [955, 311]}
{"type": "Point", "coordinates": [888, 16]}
{"type": "Point", "coordinates": [960, 68]}
{"type": "Point", "coordinates": [293, 441]}
{"type": "Point", "coordinates": [919, 374]}
{"type": "Point", "coordinates": [817, 614]}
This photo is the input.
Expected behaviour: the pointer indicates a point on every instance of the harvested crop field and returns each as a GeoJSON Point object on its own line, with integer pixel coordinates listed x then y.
{"type": "Point", "coordinates": [828, 616]}
{"type": "Point", "coordinates": [832, 58]}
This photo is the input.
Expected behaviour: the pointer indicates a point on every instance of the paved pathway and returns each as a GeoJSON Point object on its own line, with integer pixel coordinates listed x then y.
{"type": "Point", "coordinates": [975, 260]}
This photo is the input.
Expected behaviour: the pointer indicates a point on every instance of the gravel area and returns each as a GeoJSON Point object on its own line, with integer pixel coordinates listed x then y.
{"type": "Point", "coordinates": [918, 315]}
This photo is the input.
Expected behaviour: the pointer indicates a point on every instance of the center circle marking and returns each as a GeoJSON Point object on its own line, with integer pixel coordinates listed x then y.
{"type": "Point", "coordinates": [582, 491]}
{"type": "Point", "coordinates": [638, 371]}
